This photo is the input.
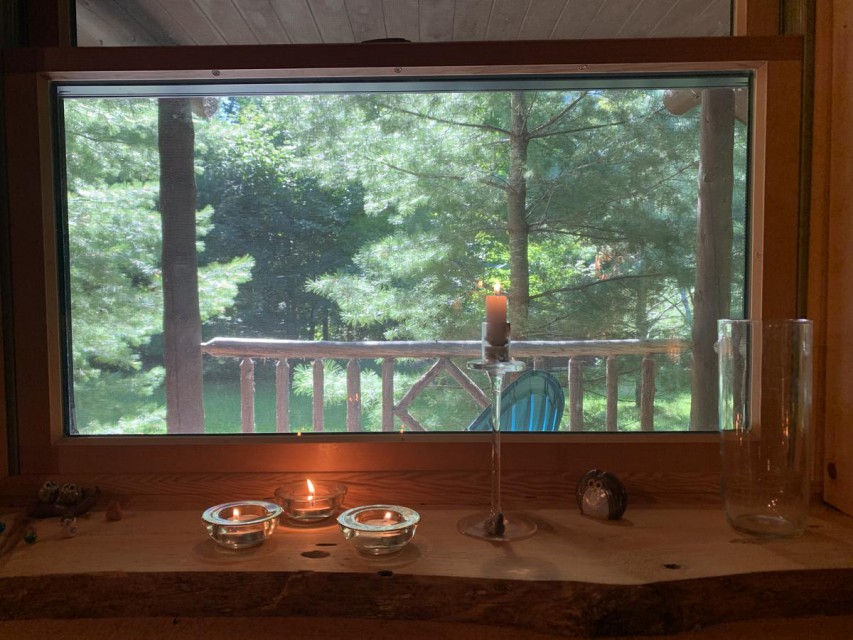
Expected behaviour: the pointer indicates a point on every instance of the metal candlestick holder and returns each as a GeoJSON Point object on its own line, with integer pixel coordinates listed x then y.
{"type": "Point", "coordinates": [496, 525]}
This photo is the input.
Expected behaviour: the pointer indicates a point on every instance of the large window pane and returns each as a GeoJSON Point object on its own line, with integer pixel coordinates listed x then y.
{"type": "Point", "coordinates": [353, 213]}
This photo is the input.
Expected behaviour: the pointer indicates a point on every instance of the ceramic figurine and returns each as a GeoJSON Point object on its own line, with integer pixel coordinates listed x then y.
{"type": "Point", "coordinates": [69, 494]}
{"type": "Point", "coordinates": [114, 512]}
{"type": "Point", "coordinates": [600, 494]}
{"type": "Point", "coordinates": [69, 527]}
{"type": "Point", "coordinates": [30, 535]}
{"type": "Point", "coordinates": [48, 491]}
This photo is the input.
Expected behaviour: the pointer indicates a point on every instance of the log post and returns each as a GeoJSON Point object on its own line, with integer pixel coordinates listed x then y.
{"type": "Point", "coordinates": [612, 392]}
{"type": "Point", "coordinates": [282, 396]}
{"type": "Point", "coordinates": [319, 393]}
{"type": "Point", "coordinates": [647, 397]}
{"type": "Point", "coordinates": [247, 394]}
{"type": "Point", "coordinates": [388, 394]}
{"type": "Point", "coordinates": [353, 396]}
{"type": "Point", "coordinates": [575, 394]}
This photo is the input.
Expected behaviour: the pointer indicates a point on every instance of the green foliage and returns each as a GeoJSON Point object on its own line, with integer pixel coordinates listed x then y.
{"type": "Point", "coordinates": [377, 216]}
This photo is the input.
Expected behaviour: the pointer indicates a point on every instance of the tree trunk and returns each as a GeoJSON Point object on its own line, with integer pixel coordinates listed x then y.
{"type": "Point", "coordinates": [181, 317]}
{"type": "Point", "coordinates": [712, 294]}
{"type": "Point", "coordinates": [519, 294]}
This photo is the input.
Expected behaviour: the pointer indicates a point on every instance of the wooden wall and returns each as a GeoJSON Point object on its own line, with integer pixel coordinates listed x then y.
{"type": "Point", "coordinates": [832, 214]}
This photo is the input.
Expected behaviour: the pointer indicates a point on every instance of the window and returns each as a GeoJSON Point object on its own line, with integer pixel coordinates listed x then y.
{"type": "Point", "coordinates": [376, 211]}
{"type": "Point", "coordinates": [771, 193]}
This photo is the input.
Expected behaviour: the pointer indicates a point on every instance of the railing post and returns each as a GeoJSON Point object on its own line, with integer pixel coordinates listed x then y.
{"type": "Point", "coordinates": [282, 396]}
{"type": "Point", "coordinates": [612, 393]}
{"type": "Point", "coordinates": [319, 393]}
{"type": "Point", "coordinates": [575, 394]}
{"type": "Point", "coordinates": [388, 394]}
{"type": "Point", "coordinates": [353, 396]}
{"type": "Point", "coordinates": [247, 395]}
{"type": "Point", "coordinates": [647, 395]}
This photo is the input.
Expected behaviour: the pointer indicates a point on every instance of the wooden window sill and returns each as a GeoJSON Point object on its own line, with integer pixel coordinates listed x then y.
{"type": "Point", "coordinates": [659, 570]}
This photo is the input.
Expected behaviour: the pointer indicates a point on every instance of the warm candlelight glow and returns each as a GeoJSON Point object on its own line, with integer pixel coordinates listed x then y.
{"type": "Point", "coordinates": [310, 489]}
{"type": "Point", "coordinates": [497, 331]}
{"type": "Point", "coordinates": [388, 515]}
{"type": "Point", "coordinates": [235, 514]}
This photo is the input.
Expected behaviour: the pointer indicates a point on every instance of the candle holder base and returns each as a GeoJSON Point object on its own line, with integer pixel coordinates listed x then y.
{"type": "Point", "coordinates": [481, 525]}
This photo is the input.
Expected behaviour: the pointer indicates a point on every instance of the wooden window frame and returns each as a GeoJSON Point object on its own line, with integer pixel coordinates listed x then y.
{"type": "Point", "coordinates": [43, 449]}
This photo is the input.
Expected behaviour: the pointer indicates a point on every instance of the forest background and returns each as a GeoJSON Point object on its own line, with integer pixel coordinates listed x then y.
{"type": "Point", "coordinates": [387, 217]}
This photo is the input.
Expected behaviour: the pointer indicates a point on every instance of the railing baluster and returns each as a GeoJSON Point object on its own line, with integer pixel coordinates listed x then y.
{"type": "Point", "coordinates": [647, 395]}
{"type": "Point", "coordinates": [388, 394]}
{"type": "Point", "coordinates": [612, 383]}
{"type": "Point", "coordinates": [319, 393]}
{"type": "Point", "coordinates": [353, 396]}
{"type": "Point", "coordinates": [282, 396]}
{"type": "Point", "coordinates": [247, 394]}
{"type": "Point", "coordinates": [245, 350]}
{"type": "Point", "coordinates": [575, 394]}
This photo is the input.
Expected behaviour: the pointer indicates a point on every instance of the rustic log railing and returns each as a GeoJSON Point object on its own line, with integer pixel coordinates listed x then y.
{"type": "Point", "coordinates": [282, 352]}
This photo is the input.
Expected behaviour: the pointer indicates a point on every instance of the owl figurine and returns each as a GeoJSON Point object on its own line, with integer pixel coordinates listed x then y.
{"type": "Point", "coordinates": [600, 494]}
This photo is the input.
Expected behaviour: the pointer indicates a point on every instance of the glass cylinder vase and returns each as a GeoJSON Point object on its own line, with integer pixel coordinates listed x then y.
{"type": "Point", "coordinates": [765, 406]}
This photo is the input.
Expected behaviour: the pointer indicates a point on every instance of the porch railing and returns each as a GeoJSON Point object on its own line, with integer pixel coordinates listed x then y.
{"type": "Point", "coordinates": [283, 352]}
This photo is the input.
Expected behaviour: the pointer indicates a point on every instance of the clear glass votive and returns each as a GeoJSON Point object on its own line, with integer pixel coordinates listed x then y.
{"type": "Point", "coordinates": [765, 405]}
{"type": "Point", "coordinates": [241, 525]}
{"type": "Point", "coordinates": [308, 502]}
{"type": "Point", "coordinates": [379, 529]}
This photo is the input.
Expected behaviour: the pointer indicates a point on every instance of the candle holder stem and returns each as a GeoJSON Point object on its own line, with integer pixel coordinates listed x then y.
{"type": "Point", "coordinates": [496, 525]}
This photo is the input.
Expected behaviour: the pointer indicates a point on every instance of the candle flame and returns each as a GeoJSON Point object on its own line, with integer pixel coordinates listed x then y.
{"type": "Point", "coordinates": [497, 288]}
{"type": "Point", "coordinates": [235, 513]}
{"type": "Point", "coordinates": [389, 515]}
{"type": "Point", "coordinates": [310, 488]}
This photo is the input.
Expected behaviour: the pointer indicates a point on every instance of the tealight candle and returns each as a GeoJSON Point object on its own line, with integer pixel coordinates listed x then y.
{"type": "Point", "coordinates": [310, 501]}
{"type": "Point", "coordinates": [379, 529]}
{"type": "Point", "coordinates": [241, 525]}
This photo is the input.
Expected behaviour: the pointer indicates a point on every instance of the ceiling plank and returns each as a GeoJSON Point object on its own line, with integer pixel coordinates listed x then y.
{"type": "Point", "coordinates": [541, 17]}
{"type": "Point", "coordinates": [111, 24]}
{"type": "Point", "coordinates": [97, 32]}
{"type": "Point", "coordinates": [194, 21]}
{"type": "Point", "coordinates": [436, 20]}
{"type": "Point", "coordinates": [716, 20]}
{"type": "Point", "coordinates": [610, 17]}
{"type": "Point", "coordinates": [471, 19]}
{"type": "Point", "coordinates": [674, 22]}
{"type": "Point", "coordinates": [174, 29]}
{"type": "Point", "coordinates": [263, 21]}
{"type": "Point", "coordinates": [228, 21]}
{"type": "Point", "coordinates": [332, 20]}
{"type": "Point", "coordinates": [366, 19]}
{"type": "Point", "coordinates": [298, 21]}
{"type": "Point", "coordinates": [506, 19]}
{"type": "Point", "coordinates": [645, 17]}
{"type": "Point", "coordinates": [575, 19]}
{"type": "Point", "coordinates": [401, 19]}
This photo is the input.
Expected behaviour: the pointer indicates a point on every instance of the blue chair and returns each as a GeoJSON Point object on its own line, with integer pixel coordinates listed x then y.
{"type": "Point", "coordinates": [533, 402]}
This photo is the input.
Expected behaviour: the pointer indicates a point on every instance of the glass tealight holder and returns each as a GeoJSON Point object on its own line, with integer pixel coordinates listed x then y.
{"type": "Point", "coordinates": [310, 502]}
{"type": "Point", "coordinates": [379, 529]}
{"type": "Point", "coordinates": [241, 525]}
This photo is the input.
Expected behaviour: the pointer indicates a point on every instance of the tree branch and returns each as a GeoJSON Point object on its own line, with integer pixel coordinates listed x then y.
{"type": "Point", "coordinates": [558, 116]}
{"type": "Point", "coordinates": [587, 285]}
{"type": "Point", "coordinates": [457, 123]}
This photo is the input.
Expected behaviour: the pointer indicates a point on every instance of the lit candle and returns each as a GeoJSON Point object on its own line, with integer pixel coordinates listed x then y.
{"type": "Point", "coordinates": [497, 331]}
{"type": "Point", "coordinates": [309, 501]}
